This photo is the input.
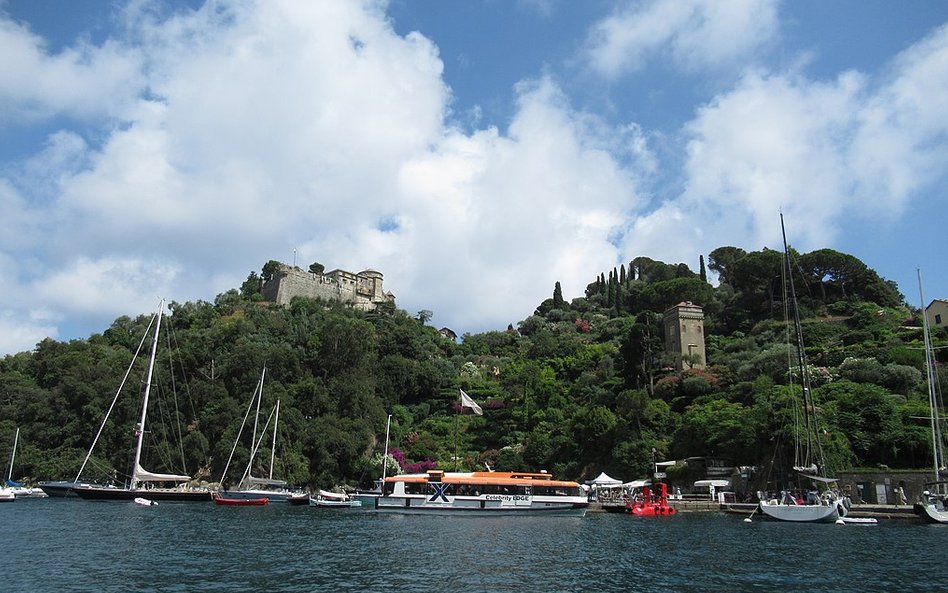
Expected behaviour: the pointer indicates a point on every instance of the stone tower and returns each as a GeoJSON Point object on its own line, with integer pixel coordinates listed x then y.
{"type": "Point", "coordinates": [684, 335]}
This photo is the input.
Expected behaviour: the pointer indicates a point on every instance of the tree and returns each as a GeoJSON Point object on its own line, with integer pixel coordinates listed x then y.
{"type": "Point", "coordinates": [316, 268]}
{"type": "Point", "coordinates": [718, 428]}
{"type": "Point", "coordinates": [757, 272]}
{"type": "Point", "coordinates": [702, 273]}
{"type": "Point", "coordinates": [424, 316]}
{"type": "Point", "coordinates": [868, 416]}
{"type": "Point", "coordinates": [832, 269]}
{"type": "Point", "coordinates": [251, 286]}
{"type": "Point", "coordinates": [558, 302]}
{"type": "Point", "coordinates": [722, 259]}
{"type": "Point", "coordinates": [270, 268]}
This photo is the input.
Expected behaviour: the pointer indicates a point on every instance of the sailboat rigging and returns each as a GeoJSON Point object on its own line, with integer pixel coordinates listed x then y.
{"type": "Point", "coordinates": [933, 505]}
{"type": "Point", "coordinates": [17, 489]}
{"type": "Point", "coordinates": [142, 483]}
{"type": "Point", "coordinates": [809, 460]}
{"type": "Point", "coordinates": [251, 487]}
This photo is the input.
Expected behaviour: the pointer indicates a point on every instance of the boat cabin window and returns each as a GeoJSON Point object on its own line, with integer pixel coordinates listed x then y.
{"type": "Point", "coordinates": [556, 491]}
{"type": "Point", "coordinates": [416, 488]}
{"type": "Point", "coordinates": [504, 489]}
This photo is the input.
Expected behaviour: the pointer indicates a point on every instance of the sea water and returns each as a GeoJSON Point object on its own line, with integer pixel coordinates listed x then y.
{"type": "Point", "coordinates": [73, 545]}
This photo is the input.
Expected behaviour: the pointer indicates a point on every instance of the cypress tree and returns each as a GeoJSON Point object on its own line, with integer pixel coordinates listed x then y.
{"type": "Point", "coordinates": [558, 301]}
{"type": "Point", "coordinates": [701, 271]}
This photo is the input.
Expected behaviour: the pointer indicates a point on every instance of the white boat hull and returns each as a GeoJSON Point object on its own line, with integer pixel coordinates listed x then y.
{"type": "Point", "coordinates": [801, 513]}
{"type": "Point", "coordinates": [334, 504]}
{"type": "Point", "coordinates": [932, 512]}
{"type": "Point", "coordinates": [366, 498]}
{"type": "Point", "coordinates": [271, 495]}
{"type": "Point", "coordinates": [480, 505]}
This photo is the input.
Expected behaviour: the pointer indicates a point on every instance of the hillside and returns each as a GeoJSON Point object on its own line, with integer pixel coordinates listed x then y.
{"type": "Point", "coordinates": [576, 388]}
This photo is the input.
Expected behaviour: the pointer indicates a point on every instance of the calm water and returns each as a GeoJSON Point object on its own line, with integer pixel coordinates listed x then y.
{"type": "Point", "coordinates": [74, 545]}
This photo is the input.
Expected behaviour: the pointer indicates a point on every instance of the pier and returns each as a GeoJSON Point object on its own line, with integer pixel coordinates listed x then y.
{"type": "Point", "coordinates": [876, 511]}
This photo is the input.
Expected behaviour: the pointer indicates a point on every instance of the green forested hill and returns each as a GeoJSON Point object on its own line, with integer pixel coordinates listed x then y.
{"type": "Point", "coordinates": [577, 388]}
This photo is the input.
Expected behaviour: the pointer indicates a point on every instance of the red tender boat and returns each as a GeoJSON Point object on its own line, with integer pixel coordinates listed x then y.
{"type": "Point", "coordinates": [651, 503]}
{"type": "Point", "coordinates": [241, 502]}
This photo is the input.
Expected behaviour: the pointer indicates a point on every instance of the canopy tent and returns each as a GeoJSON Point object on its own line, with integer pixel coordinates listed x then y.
{"type": "Point", "coordinates": [713, 486]}
{"type": "Point", "coordinates": [605, 487]}
{"type": "Point", "coordinates": [604, 479]}
{"type": "Point", "coordinates": [714, 483]}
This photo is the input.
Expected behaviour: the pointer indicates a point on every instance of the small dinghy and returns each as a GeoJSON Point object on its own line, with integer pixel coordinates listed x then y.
{"type": "Point", "coordinates": [241, 502]}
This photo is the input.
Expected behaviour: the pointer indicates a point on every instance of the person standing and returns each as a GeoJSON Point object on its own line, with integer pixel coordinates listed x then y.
{"type": "Point", "coordinates": [900, 496]}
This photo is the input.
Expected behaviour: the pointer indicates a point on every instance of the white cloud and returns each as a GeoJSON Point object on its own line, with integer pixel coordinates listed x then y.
{"type": "Point", "coordinates": [19, 332]}
{"type": "Point", "coordinates": [899, 147]}
{"type": "Point", "coordinates": [825, 153]}
{"type": "Point", "coordinates": [492, 221]}
{"type": "Point", "coordinates": [292, 125]}
{"type": "Point", "coordinates": [281, 125]}
{"type": "Point", "coordinates": [693, 34]}
{"type": "Point", "coordinates": [81, 81]}
{"type": "Point", "coordinates": [87, 286]}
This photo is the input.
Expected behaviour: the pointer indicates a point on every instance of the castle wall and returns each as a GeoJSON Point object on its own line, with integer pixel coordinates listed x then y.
{"type": "Point", "coordinates": [363, 290]}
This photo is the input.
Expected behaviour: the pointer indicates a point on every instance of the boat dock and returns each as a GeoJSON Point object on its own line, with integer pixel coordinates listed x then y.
{"type": "Point", "coordinates": [876, 511]}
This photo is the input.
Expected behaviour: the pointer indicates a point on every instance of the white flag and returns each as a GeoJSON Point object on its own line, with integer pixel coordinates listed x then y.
{"type": "Point", "coordinates": [467, 402]}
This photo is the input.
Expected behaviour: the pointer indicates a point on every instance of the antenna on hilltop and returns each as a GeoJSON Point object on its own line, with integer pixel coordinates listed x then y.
{"type": "Point", "coordinates": [294, 258]}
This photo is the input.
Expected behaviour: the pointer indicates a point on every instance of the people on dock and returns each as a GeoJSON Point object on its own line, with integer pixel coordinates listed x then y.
{"type": "Point", "coordinates": [900, 496]}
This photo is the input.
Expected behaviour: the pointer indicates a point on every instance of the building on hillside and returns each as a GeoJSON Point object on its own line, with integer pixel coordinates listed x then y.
{"type": "Point", "coordinates": [363, 290]}
{"type": "Point", "coordinates": [684, 335]}
{"type": "Point", "coordinates": [937, 313]}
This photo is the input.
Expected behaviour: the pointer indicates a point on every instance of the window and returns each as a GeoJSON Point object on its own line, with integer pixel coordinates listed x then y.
{"type": "Point", "coordinates": [938, 319]}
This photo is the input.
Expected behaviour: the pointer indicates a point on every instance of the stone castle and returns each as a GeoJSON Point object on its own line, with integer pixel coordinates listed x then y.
{"type": "Point", "coordinates": [363, 290]}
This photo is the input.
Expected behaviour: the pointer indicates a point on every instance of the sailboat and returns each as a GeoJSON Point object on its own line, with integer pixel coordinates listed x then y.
{"type": "Point", "coordinates": [933, 506]}
{"type": "Point", "coordinates": [251, 487]}
{"type": "Point", "coordinates": [143, 482]}
{"type": "Point", "coordinates": [809, 462]}
{"type": "Point", "coordinates": [16, 488]}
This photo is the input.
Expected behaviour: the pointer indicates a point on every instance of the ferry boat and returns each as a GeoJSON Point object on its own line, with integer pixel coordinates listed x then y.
{"type": "Point", "coordinates": [491, 492]}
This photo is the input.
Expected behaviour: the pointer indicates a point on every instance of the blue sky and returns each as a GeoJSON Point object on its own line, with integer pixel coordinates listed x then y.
{"type": "Point", "coordinates": [475, 152]}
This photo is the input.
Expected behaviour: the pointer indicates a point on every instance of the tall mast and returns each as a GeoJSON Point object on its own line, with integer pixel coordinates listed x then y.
{"type": "Point", "coordinates": [16, 439]}
{"type": "Point", "coordinates": [388, 425]}
{"type": "Point", "coordinates": [276, 423]}
{"type": "Point", "coordinates": [809, 411]}
{"type": "Point", "coordinates": [259, 399]}
{"type": "Point", "coordinates": [140, 429]}
{"type": "Point", "coordinates": [937, 451]}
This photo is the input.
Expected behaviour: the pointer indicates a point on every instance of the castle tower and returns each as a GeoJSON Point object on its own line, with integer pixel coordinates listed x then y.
{"type": "Point", "coordinates": [684, 335]}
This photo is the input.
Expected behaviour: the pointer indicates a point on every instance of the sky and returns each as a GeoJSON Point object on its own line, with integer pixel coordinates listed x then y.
{"type": "Point", "coordinates": [475, 152]}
